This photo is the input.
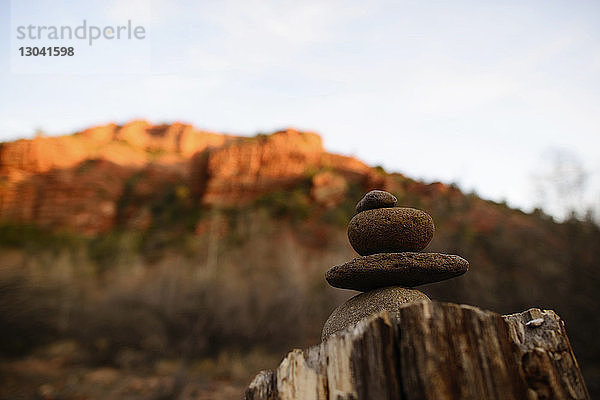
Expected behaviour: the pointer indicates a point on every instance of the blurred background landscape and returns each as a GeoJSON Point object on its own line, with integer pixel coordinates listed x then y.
{"type": "Point", "coordinates": [146, 258]}
{"type": "Point", "coordinates": [161, 261]}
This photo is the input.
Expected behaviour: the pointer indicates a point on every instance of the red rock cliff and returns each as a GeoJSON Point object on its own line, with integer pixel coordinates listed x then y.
{"type": "Point", "coordinates": [78, 181]}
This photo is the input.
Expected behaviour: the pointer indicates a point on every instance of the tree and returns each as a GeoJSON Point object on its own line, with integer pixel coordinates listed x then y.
{"type": "Point", "coordinates": [561, 184]}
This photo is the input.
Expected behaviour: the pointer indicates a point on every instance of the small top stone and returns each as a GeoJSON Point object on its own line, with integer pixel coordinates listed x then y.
{"type": "Point", "coordinates": [376, 199]}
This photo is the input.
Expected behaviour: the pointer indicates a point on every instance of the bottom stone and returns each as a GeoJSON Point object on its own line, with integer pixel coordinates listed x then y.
{"type": "Point", "coordinates": [365, 304]}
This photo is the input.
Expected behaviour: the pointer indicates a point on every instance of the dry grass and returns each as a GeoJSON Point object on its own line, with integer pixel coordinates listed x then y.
{"type": "Point", "coordinates": [211, 309]}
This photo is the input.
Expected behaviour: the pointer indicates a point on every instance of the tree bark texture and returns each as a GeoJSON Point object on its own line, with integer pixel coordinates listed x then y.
{"type": "Point", "coordinates": [433, 350]}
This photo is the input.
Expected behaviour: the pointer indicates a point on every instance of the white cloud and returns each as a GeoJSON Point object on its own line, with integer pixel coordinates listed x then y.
{"type": "Point", "coordinates": [290, 22]}
{"type": "Point", "coordinates": [150, 12]}
{"type": "Point", "coordinates": [443, 94]}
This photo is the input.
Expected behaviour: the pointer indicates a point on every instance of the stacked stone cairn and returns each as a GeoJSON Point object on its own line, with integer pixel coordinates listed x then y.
{"type": "Point", "coordinates": [389, 240]}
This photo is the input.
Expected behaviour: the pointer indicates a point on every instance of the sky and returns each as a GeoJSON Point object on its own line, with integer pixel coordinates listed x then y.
{"type": "Point", "coordinates": [481, 94]}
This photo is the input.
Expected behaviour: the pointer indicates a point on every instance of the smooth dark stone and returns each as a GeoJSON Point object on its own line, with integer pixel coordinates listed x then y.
{"type": "Point", "coordinates": [390, 230]}
{"type": "Point", "coordinates": [396, 269]}
{"type": "Point", "coordinates": [376, 199]}
{"type": "Point", "coordinates": [365, 304]}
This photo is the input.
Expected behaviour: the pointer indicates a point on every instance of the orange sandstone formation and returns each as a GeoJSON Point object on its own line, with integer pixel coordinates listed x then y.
{"type": "Point", "coordinates": [78, 181]}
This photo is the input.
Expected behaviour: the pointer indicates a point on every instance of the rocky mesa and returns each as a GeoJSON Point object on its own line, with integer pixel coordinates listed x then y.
{"type": "Point", "coordinates": [79, 181]}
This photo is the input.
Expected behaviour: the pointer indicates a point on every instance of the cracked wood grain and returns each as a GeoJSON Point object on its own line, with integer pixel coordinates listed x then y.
{"type": "Point", "coordinates": [433, 350]}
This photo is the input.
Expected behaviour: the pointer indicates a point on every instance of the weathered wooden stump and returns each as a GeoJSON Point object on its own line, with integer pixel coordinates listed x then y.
{"type": "Point", "coordinates": [433, 350]}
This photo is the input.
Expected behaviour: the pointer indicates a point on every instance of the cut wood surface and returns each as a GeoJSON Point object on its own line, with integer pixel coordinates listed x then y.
{"type": "Point", "coordinates": [546, 356]}
{"type": "Point", "coordinates": [433, 350]}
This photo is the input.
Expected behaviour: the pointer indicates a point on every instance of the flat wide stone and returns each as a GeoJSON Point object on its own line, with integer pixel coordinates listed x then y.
{"type": "Point", "coordinates": [361, 306]}
{"type": "Point", "coordinates": [396, 269]}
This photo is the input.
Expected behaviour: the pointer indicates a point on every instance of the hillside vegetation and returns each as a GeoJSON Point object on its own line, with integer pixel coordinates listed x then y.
{"type": "Point", "coordinates": [179, 256]}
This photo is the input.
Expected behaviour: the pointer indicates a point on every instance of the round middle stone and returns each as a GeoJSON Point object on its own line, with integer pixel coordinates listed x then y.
{"type": "Point", "coordinates": [390, 230]}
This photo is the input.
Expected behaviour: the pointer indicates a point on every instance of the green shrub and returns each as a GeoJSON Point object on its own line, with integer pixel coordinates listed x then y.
{"type": "Point", "coordinates": [33, 237]}
{"type": "Point", "coordinates": [295, 204]}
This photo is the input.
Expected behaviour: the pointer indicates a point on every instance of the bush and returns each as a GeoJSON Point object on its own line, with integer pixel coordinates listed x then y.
{"type": "Point", "coordinates": [295, 204]}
